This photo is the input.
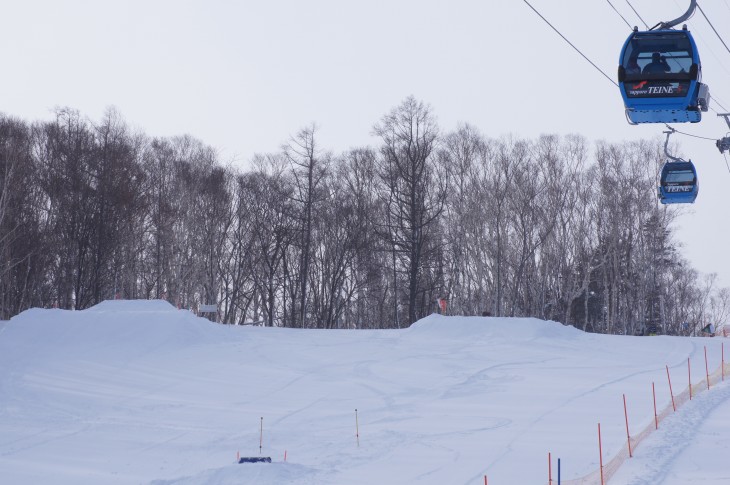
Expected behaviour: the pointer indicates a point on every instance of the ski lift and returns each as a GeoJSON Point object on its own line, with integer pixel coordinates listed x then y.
{"type": "Point", "coordinates": [678, 183]}
{"type": "Point", "coordinates": [660, 75]}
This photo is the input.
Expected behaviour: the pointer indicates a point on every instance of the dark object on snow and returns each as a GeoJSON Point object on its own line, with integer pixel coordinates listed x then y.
{"type": "Point", "coordinates": [255, 459]}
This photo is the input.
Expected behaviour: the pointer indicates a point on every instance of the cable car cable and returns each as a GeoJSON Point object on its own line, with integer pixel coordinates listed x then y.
{"type": "Point", "coordinates": [571, 44]}
{"type": "Point", "coordinates": [720, 105]}
{"type": "Point", "coordinates": [713, 27]}
{"type": "Point", "coordinates": [619, 14]}
{"type": "Point", "coordinates": [600, 70]}
{"type": "Point", "coordinates": [711, 50]}
{"type": "Point", "coordinates": [716, 100]}
{"type": "Point", "coordinates": [689, 134]}
{"type": "Point", "coordinates": [637, 14]}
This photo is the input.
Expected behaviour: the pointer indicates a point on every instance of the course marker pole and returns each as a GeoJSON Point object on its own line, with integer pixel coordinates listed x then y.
{"type": "Point", "coordinates": [689, 374]}
{"type": "Point", "coordinates": [600, 453]}
{"type": "Point", "coordinates": [628, 436]}
{"type": "Point", "coordinates": [670, 390]}
{"type": "Point", "coordinates": [357, 429]}
{"type": "Point", "coordinates": [261, 435]}
{"type": "Point", "coordinates": [550, 469]}
{"type": "Point", "coordinates": [656, 419]}
{"type": "Point", "coordinates": [707, 370]}
{"type": "Point", "coordinates": [558, 471]}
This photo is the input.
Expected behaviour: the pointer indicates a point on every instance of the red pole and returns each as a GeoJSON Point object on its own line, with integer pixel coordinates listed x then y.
{"type": "Point", "coordinates": [722, 362]}
{"type": "Point", "coordinates": [628, 436]}
{"type": "Point", "coordinates": [485, 480]}
{"type": "Point", "coordinates": [656, 420]}
{"type": "Point", "coordinates": [707, 370]}
{"type": "Point", "coordinates": [600, 452]}
{"type": "Point", "coordinates": [689, 373]}
{"type": "Point", "coordinates": [550, 470]}
{"type": "Point", "coordinates": [670, 390]}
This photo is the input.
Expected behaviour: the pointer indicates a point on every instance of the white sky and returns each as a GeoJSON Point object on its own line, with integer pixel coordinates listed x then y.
{"type": "Point", "coordinates": [243, 76]}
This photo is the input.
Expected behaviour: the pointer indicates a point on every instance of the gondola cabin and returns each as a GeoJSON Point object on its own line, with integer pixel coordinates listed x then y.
{"type": "Point", "coordinates": [678, 183]}
{"type": "Point", "coordinates": [660, 78]}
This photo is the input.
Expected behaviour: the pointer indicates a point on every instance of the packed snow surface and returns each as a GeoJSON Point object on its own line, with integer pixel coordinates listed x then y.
{"type": "Point", "coordinates": [131, 392]}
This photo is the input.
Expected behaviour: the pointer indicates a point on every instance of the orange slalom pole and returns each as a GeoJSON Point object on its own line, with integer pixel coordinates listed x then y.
{"type": "Point", "coordinates": [707, 370]}
{"type": "Point", "coordinates": [550, 469]}
{"type": "Point", "coordinates": [600, 453]}
{"type": "Point", "coordinates": [656, 419]}
{"type": "Point", "coordinates": [670, 390]}
{"type": "Point", "coordinates": [628, 436]}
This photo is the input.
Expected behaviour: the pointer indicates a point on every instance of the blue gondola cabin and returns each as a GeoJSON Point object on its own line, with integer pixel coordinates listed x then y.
{"type": "Point", "coordinates": [660, 77]}
{"type": "Point", "coordinates": [678, 183]}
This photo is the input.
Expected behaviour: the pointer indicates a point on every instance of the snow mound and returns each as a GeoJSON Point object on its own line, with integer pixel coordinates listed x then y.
{"type": "Point", "coordinates": [514, 329]}
{"type": "Point", "coordinates": [133, 306]}
{"type": "Point", "coordinates": [111, 330]}
{"type": "Point", "coordinates": [138, 392]}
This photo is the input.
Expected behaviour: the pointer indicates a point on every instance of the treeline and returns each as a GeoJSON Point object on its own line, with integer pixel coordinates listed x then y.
{"type": "Point", "coordinates": [370, 238]}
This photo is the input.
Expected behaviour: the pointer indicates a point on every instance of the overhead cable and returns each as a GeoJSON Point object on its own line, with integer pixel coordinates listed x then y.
{"type": "Point", "coordinates": [717, 102]}
{"type": "Point", "coordinates": [571, 44]}
{"type": "Point", "coordinates": [713, 28]}
{"type": "Point", "coordinates": [619, 14]}
{"type": "Point", "coordinates": [714, 100]}
{"type": "Point", "coordinates": [637, 14]}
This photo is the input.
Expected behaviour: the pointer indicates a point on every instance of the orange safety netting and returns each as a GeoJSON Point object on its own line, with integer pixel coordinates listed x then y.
{"type": "Point", "coordinates": [611, 467]}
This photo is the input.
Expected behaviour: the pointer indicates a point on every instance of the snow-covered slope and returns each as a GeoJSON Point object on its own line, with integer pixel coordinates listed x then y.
{"type": "Point", "coordinates": [139, 392]}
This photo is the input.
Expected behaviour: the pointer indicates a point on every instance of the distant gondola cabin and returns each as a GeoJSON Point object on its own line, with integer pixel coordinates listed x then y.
{"type": "Point", "coordinates": [678, 183]}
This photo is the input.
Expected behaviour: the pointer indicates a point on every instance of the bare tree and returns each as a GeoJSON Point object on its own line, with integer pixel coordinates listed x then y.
{"type": "Point", "coordinates": [309, 168]}
{"type": "Point", "coordinates": [414, 191]}
{"type": "Point", "coordinates": [24, 253]}
{"type": "Point", "coordinates": [271, 194]}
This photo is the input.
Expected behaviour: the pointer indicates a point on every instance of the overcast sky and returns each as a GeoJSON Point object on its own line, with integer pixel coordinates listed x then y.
{"type": "Point", "coordinates": [243, 76]}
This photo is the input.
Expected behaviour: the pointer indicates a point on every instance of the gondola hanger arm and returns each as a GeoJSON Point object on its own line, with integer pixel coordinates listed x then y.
{"type": "Point", "coordinates": [668, 25]}
{"type": "Point", "coordinates": [666, 145]}
{"type": "Point", "coordinates": [723, 144]}
{"type": "Point", "coordinates": [726, 117]}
